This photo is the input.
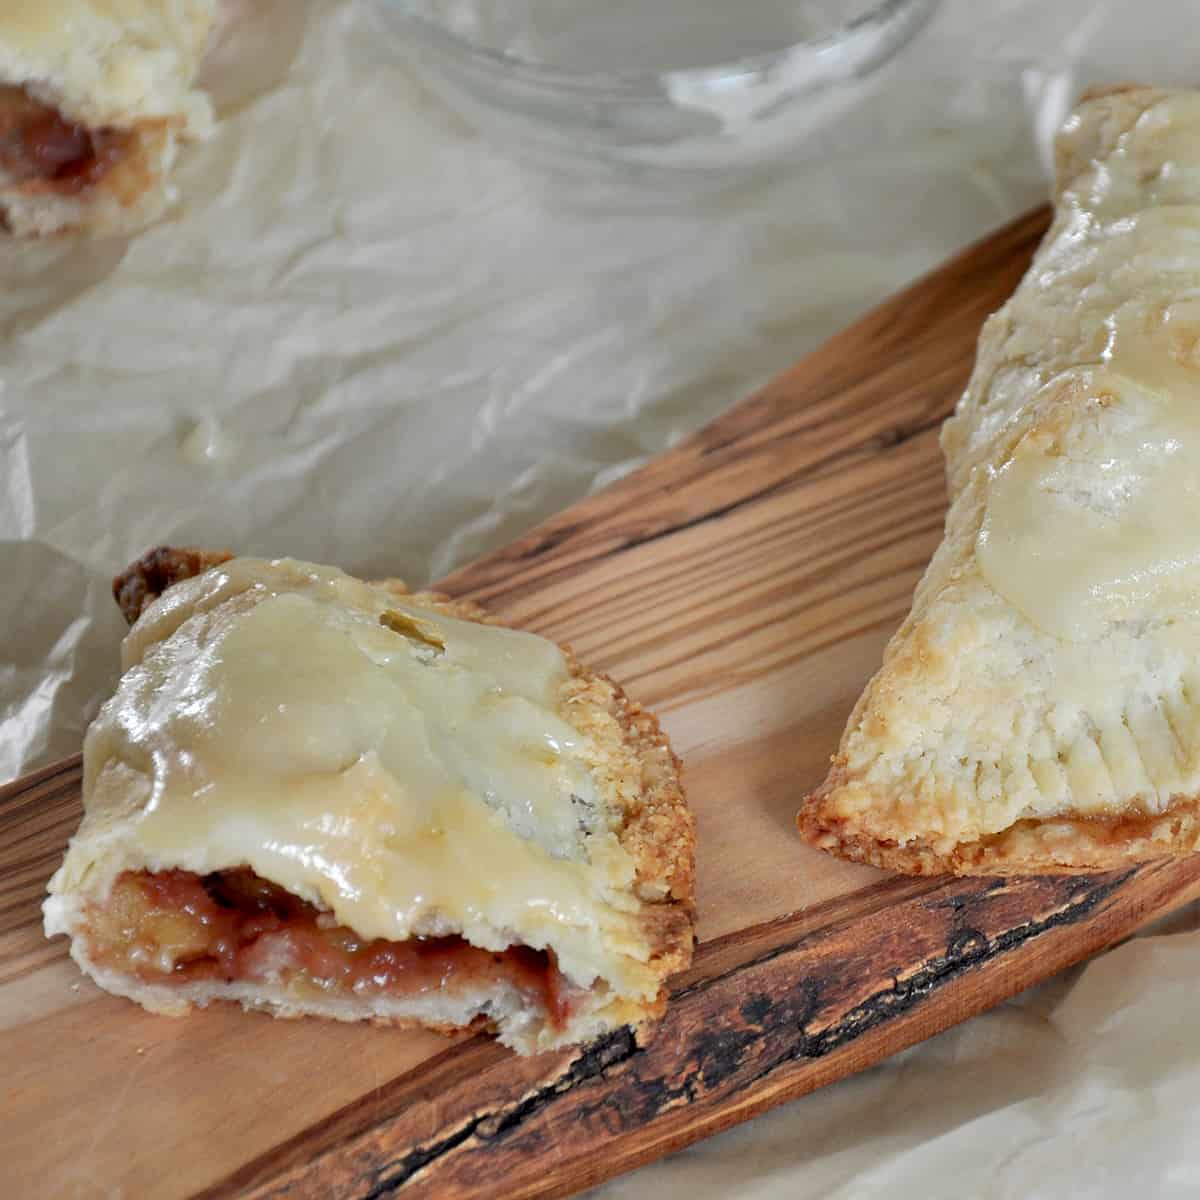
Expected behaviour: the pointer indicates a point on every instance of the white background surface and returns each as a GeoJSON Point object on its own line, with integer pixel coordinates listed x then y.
{"type": "Point", "coordinates": [368, 338]}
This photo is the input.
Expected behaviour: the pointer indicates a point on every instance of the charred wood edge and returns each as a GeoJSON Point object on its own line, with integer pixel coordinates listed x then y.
{"type": "Point", "coordinates": [487, 1127]}
{"type": "Point", "coordinates": [726, 438]}
{"type": "Point", "coordinates": [783, 1025]}
{"type": "Point", "coordinates": [718, 1052]}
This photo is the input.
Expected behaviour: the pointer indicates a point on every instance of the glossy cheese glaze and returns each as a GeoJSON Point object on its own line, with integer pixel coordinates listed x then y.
{"type": "Point", "coordinates": [409, 772]}
{"type": "Point", "coordinates": [1090, 517]}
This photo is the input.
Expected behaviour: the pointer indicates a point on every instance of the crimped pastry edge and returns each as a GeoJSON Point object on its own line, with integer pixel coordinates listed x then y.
{"type": "Point", "coordinates": [1064, 845]}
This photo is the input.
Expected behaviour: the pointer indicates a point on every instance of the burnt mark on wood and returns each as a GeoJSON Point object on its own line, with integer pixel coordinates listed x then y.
{"type": "Point", "coordinates": [755, 1008]}
{"type": "Point", "coordinates": [721, 1052]}
{"type": "Point", "coordinates": [489, 1126]}
{"type": "Point", "coordinates": [967, 949]}
{"type": "Point", "coordinates": [787, 1022]}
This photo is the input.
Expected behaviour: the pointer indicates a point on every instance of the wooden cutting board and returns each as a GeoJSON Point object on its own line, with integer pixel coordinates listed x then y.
{"type": "Point", "coordinates": [742, 586]}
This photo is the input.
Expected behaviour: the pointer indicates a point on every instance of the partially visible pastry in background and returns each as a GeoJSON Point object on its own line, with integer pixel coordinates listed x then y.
{"type": "Point", "coordinates": [1039, 710]}
{"type": "Point", "coordinates": [318, 796]}
{"type": "Point", "coordinates": [95, 98]}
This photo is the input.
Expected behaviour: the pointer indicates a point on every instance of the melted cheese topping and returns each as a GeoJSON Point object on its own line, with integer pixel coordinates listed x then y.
{"type": "Point", "coordinates": [1091, 518]}
{"type": "Point", "coordinates": [408, 771]}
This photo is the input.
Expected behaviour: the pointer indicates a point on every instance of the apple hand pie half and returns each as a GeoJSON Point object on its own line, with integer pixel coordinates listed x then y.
{"type": "Point", "coordinates": [95, 98]}
{"type": "Point", "coordinates": [1039, 709]}
{"type": "Point", "coordinates": [315, 795]}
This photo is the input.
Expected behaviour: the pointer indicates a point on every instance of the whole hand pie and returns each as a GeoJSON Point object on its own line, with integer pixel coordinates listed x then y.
{"type": "Point", "coordinates": [95, 96]}
{"type": "Point", "coordinates": [315, 795]}
{"type": "Point", "coordinates": [1039, 710]}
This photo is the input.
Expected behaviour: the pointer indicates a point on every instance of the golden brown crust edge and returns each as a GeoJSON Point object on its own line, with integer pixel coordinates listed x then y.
{"type": "Point", "coordinates": [658, 832]}
{"type": "Point", "coordinates": [148, 577]}
{"type": "Point", "coordinates": [1046, 846]}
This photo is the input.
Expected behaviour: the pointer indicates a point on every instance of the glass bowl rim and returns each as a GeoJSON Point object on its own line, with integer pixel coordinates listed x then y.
{"type": "Point", "coordinates": [909, 16]}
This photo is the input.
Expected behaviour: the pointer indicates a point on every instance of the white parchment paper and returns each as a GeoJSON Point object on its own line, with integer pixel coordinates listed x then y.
{"type": "Point", "coordinates": [368, 337]}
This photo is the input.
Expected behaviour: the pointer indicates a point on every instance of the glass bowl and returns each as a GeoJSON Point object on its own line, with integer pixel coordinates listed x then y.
{"type": "Point", "coordinates": [652, 84]}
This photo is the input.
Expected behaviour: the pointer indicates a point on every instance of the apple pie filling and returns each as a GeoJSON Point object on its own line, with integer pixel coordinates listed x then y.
{"type": "Point", "coordinates": [234, 926]}
{"type": "Point", "coordinates": [44, 151]}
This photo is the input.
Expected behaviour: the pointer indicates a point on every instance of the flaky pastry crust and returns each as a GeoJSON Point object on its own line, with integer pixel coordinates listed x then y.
{"type": "Point", "coordinates": [987, 744]}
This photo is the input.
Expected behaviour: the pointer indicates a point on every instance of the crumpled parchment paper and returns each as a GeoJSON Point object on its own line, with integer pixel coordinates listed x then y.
{"type": "Point", "coordinates": [368, 337]}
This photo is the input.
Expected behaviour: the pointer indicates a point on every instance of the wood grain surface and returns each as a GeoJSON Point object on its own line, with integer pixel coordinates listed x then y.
{"type": "Point", "coordinates": [743, 586]}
